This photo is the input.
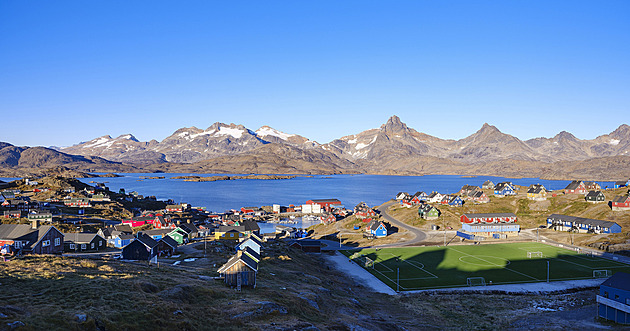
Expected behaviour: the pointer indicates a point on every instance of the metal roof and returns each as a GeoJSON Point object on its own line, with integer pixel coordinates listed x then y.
{"type": "Point", "coordinates": [581, 220]}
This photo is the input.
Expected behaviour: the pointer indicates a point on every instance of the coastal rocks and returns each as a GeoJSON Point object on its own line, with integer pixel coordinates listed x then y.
{"type": "Point", "coordinates": [80, 318]}
{"type": "Point", "coordinates": [178, 292]}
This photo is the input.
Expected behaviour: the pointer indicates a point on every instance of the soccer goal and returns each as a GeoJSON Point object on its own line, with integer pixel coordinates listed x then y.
{"type": "Point", "coordinates": [531, 255]}
{"type": "Point", "coordinates": [587, 253]}
{"type": "Point", "coordinates": [369, 263]}
{"type": "Point", "coordinates": [601, 273]}
{"type": "Point", "coordinates": [476, 281]}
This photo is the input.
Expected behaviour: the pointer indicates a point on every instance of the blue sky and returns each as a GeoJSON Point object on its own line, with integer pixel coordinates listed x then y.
{"type": "Point", "coordinates": [71, 71]}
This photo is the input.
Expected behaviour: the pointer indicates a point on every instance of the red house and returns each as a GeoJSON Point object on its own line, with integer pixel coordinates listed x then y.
{"type": "Point", "coordinates": [486, 218]}
{"type": "Point", "coordinates": [576, 187]}
{"type": "Point", "coordinates": [324, 203]}
{"type": "Point", "coordinates": [328, 218]}
{"type": "Point", "coordinates": [621, 202]}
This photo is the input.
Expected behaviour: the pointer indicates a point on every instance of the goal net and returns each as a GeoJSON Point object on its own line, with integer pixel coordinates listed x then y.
{"type": "Point", "coordinates": [534, 255]}
{"type": "Point", "coordinates": [601, 273]}
{"type": "Point", "coordinates": [587, 253]}
{"type": "Point", "coordinates": [369, 263]}
{"type": "Point", "coordinates": [476, 281]}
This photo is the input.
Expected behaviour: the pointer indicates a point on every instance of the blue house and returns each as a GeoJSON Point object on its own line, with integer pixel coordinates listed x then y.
{"type": "Point", "coordinates": [613, 301]}
{"type": "Point", "coordinates": [504, 188]}
{"type": "Point", "coordinates": [456, 202]}
{"type": "Point", "coordinates": [621, 183]}
{"type": "Point", "coordinates": [580, 224]}
{"type": "Point", "coordinates": [121, 240]}
{"type": "Point", "coordinates": [376, 229]}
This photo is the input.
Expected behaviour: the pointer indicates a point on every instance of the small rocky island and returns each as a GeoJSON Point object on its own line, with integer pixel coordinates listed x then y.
{"type": "Point", "coordinates": [216, 178]}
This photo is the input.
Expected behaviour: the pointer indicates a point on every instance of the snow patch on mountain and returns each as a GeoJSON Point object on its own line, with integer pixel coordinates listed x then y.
{"type": "Point", "coordinates": [267, 131]}
{"type": "Point", "coordinates": [614, 141]}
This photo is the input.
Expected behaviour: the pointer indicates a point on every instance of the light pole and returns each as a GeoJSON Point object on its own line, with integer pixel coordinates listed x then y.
{"type": "Point", "coordinates": [547, 271]}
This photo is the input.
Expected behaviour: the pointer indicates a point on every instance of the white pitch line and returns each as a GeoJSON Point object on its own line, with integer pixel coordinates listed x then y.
{"type": "Point", "coordinates": [415, 266]}
{"type": "Point", "coordinates": [506, 268]}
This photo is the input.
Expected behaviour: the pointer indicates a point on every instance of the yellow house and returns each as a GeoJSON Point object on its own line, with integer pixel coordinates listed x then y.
{"type": "Point", "coordinates": [230, 233]}
{"type": "Point", "coordinates": [537, 192]}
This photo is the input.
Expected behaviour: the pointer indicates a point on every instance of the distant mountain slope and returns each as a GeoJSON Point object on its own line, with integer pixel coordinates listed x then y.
{"type": "Point", "coordinates": [37, 159]}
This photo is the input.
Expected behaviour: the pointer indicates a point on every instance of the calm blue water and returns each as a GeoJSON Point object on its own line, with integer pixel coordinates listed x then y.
{"type": "Point", "coordinates": [350, 189]}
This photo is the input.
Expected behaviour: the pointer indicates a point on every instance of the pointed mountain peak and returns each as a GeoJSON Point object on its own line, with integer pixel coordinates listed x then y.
{"type": "Point", "coordinates": [564, 135]}
{"type": "Point", "coordinates": [488, 128]}
{"type": "Point", "coordinates": [394, 124]}
{"type": "Point", "coordinates": [623, 131]}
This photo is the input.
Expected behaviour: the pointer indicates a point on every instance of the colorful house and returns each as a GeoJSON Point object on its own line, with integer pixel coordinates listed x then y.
{"type": "Point", "coordinates": [83, 242]}
{"type": "Point", "coordinates": [30, 239]}
{"type": "Point", "coordinates": [488, 218]}
{"type": "Point", "coordinates": [595, 196]}
{"type": "Point", "coordinates": [575, 187]}
{"type": "Point", "coordinates": [456, 202]}
{"type": "Point", "coordinates": [620, 202]}
{"type": "Point", "coordinates": [613, 301]}
{"type": "Point", "coordinates": [326, 204]}
{"type": "Point", "coordinates": [141, 249]}
{"type": "Point", "coordinates": [479, 197]}
{"type": "Point", "coordinates": [376, 229]}
{"type": "Point", "coordinates": [226, 232]}
{"type": "Point", "coordinates": [537, 192]}
{"type": "Point", "coordinates": [580, 224]}
{"type": "Point", "coordinates": [504, 189]}
{"type": "Point", "coordinates": [428, 212]}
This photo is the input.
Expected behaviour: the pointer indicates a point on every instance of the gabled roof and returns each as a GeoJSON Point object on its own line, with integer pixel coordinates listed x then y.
{"type": "Point", "coordinates": [123, 228]}
{"type": "Point", "coordinates": [169, 241]}
{"type": "Point", "coordinates": [593, 194]}
{"type": "Point", "coordinates": [14, 231]}
{"type": "Point", "coordinates": [190, 226]}
{"type": "Point", "coordinates": [227, 228]}
{"type": "Point", "coordinates": [79, 238]}
{"type": "Point", "coordinates": [620, 280]}
{"type": "Point", "coordinates": [621, 198]}
{"type": "Point", "coordinates": [252, 253]}
{"type": "Point", "coordinates": [325, 200]}
{"type": "Point", "coordinates": [488, 215]}
{"type": "Point", "coordinates": [503, 185]}
{"type": "Point", "coordinates": [125, 236]}
{"type": "Point", "coordinates": [250, 225]}
{"type": "Point", "coordinates": [248, 261]}
{"type": "Point", "coordinates": [573, 185]}
{"type": "Point", "coordinates": [147, 240]}
{"type": "Point", "coordinates": [307, 243]}
{"type": "Point", "coordinates": [157, 232]}
{"type": "Point", "coordinates": [376, 225]}
{"type": "Point", "coordinates": [582, 220]}
{"type": "Point", "coordinates": [248, 240]}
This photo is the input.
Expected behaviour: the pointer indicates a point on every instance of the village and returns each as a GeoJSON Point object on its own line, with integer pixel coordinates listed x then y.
{"type": "Point", "coordinates": [65, 217]}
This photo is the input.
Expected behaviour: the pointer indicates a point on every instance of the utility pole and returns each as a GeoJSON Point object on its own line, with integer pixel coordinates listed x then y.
{"type": "Point", "coordinates": [204, 244]}
{"type": "Point", "coordinates": [397, 279]}
{"type": "Point", "coordinates": [547, 271]}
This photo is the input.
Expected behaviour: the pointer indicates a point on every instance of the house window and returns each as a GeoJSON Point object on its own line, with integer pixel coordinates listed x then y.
{"type": "Point", "coordinates": [71, 246]}
{"type": "Point", "coordinates": [92, 246]}
{"type": "Point", "coordinates": [605, 294]}
{"type": "Point", "coordinates": [82, 246]}
{"type": "Point", "coordinates": [46, 243]}
{"type": "Point", "coordinates": [100, 243]}
{"type": "Point", "coordinates": [18, 244]}
{"type": "Point", "coordinates": [616, 296]}
{"type": "Point", "coordinates": [57, 241]}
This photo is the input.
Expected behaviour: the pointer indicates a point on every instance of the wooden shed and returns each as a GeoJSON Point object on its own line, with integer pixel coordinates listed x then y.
{"type": "Point", "coordinates": [240, 270]}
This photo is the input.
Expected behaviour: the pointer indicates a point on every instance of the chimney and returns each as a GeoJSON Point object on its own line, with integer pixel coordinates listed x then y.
{"type": "Point", "coordinates": [34, 224]}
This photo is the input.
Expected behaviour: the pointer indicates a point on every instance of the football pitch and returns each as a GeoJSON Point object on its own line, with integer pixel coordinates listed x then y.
{"type": "Point", "coordinates": [419, 268]}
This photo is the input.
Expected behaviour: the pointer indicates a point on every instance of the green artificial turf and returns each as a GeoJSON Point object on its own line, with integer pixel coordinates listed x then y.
{"type": "Point", "coordinates": [419, 268]}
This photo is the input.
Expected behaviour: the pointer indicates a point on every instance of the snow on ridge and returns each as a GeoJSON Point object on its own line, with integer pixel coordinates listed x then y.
{"type": "Point", "coordinates": [361, 145]}
{"type": "Point", "coordinates": [225, 131]}
{"type": "Point", "coordinates": [98, 142]}
{"type": "Point", "coordinates": [614, 141]}
{"type": "Point", "coordinates": [267, 131]}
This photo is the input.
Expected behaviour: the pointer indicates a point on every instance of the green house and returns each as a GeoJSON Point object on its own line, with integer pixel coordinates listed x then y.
{"type": "Point", "coordinates": [178, 235]}
{"type": "Point", "coordinates": [428, 212]}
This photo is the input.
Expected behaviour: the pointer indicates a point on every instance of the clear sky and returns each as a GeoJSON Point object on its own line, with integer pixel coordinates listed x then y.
{"type": "Point", "coordinates": [71, 71]}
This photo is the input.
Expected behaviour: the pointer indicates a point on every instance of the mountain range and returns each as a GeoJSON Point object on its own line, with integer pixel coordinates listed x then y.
{"type": "Point", "coordinates": [394, 148]}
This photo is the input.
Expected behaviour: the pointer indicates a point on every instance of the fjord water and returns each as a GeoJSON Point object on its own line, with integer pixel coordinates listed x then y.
{"type": "Point", "coordinates": [223, 195]}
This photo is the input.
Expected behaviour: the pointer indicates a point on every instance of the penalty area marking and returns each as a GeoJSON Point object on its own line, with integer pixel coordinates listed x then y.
{"type": "Point", "coordinates": [504, 267]}
{"type": "Point", "coordinates": [479, 257]}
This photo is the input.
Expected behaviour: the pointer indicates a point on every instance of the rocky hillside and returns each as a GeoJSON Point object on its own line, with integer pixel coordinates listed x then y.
{"type": "Point", "coordinates": [187, 145]}
{"type": "Point", "coordinates": [19, 161]}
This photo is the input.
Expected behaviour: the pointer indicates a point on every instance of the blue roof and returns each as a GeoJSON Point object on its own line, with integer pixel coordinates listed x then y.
{"type": "Point", "coordinates": [619, 280]}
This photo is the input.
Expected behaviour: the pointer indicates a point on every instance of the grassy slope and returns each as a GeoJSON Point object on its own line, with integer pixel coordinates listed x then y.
{"type": "Point", "coordinates": [532, 214]}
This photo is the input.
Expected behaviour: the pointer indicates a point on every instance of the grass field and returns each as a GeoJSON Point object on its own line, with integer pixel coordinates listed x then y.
{"type": "Point", "coordinates": [438, 267]}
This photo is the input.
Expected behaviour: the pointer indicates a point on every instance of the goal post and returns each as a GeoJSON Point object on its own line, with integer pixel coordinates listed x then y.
{"type": "Point", "coordinates": [476, 281]}
{"type": "Point", "coordinates": [531, 255]}
{"type": "Point", "coordinates": [369, 263]}
{"type": "Point", "coordinates": [601, 273]}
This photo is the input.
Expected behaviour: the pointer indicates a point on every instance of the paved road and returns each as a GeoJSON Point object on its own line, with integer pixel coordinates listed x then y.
{"type": "Point", "coordinates": [420, 236]}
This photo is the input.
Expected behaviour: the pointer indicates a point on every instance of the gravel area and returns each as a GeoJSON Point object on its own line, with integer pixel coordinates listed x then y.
{"type": "Point", "coordinates": [342, 263]}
